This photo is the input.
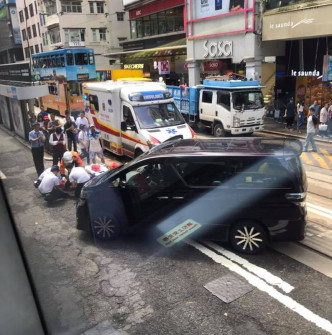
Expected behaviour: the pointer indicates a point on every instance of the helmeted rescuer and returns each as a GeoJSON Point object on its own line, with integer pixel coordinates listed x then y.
{"type": "Point", "coordinates": [70, 159]}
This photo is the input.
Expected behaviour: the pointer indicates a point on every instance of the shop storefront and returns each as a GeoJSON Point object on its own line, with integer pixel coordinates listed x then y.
{"type": "Point", "coordinates": [222, 34]}
{"type": "Point", "coordinates": [17, 95]}
{"type": "Point", "coordinates": [304, 72]}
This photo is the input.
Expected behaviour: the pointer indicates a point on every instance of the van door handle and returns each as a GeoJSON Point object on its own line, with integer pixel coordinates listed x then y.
{"type": "Point", "coordinates": [178, 198]}
{"type": "Point", "coordinates": [216, 113]}
{"type": "Point", "coordinates": [162, 198]}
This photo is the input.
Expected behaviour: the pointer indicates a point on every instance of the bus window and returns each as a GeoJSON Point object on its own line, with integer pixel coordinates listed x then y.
{"type": "Point", "coordinates": [74, 88]}
{"type": "Point", "coordinates": [91, 58]}
{"type": "Point", "coordinates": [62, 61]}
{"type": "Point", "coordinates": [81, 59]}
{"type": "Point", "coordinates": [70, 59]}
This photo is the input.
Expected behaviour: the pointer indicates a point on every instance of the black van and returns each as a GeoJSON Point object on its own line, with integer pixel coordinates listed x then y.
{"type": "Point", "coordinates": [247, 191]}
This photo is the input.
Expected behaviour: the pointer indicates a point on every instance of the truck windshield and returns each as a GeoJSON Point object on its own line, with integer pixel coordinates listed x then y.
{"type": "Point", "coordinates": [247, 100]}
{"type": "Point", "coordinates": [158, 115]}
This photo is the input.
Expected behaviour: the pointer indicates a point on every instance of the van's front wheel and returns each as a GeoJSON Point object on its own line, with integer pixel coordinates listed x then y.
{"type": "Point", "coordinates": [218, 130]}
{"type": "Point", "coordinates": [248, 237]}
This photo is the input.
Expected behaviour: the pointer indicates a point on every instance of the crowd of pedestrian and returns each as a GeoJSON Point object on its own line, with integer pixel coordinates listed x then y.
{"type": "Point", "coordinates": [67, 173]}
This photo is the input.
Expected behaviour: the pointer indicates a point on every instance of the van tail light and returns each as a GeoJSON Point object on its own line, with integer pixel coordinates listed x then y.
{"type": "Point", "coordinates": [152, 141]}
{"type": "Point", "coordinates": [297, 198]}
{"type": "Point", "coordinates": [193, 134]}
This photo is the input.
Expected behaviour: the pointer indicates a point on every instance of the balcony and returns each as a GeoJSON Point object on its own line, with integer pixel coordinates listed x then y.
{"type": "Point", "coordinates": [52, 21]}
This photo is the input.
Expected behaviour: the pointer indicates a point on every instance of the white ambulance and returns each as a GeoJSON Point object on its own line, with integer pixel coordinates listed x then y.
{"type": "Point", "coordinates": [133, 116]}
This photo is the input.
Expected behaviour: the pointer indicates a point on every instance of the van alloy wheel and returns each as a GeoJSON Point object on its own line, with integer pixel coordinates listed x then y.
{"type": "Point", "coordinates": [248, 237]}
{"type": "Point", "coordinates": [105, 228]}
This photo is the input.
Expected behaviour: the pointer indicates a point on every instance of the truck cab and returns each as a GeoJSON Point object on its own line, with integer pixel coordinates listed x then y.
{"type": "Point", "coordinates": [232, 107]}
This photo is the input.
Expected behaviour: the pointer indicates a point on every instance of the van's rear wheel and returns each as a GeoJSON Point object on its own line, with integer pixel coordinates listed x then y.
{"type": "Point", "coordinates": [248, 237]}
{"type": "Point", "coordinates": [218, 130]}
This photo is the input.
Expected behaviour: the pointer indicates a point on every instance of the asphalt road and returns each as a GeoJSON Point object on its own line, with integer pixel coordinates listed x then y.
{"type": "Point", "coordinates": [136, 286]}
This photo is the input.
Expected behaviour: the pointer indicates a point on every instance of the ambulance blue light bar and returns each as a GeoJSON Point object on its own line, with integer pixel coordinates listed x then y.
{"type": "Point", "coordinates": [149, 95]}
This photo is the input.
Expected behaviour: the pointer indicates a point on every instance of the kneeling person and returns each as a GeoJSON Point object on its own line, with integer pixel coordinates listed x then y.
{"type": "Point", "coordinates": [78, 177]}
{"type": "Point", "coordinates": [50, 185]}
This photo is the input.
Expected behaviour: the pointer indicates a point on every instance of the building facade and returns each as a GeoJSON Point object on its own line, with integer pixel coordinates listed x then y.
{"type": "Point", "coordinates": [29, 21]}
{"type": "Point", "coordinates": [101, 25]}
{"type": "Point", "coordinates": [157, 42]}
{"type": "Point", "coordinates": [10, 46]}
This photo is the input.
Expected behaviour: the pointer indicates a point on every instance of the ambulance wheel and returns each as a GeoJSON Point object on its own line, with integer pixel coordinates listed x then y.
{"type": "Point", "coordinates": [105, 228]}
{"type": "Point", "coordinates": [138, 152]}
{"type": "Point", "coordinates": [218, 130]}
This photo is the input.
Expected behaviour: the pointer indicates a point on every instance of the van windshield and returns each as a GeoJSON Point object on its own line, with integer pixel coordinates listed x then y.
{"type": "Point", "coordinates": [158, 115]}
{"type": "Point", "coordinates": [247, 100]}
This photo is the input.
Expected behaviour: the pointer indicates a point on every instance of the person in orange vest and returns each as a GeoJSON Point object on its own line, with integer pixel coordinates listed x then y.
{"type": "Point", "coordinates": [68, 161]}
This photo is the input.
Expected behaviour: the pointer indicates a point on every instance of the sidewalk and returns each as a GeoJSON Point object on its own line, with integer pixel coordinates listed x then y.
{"type": "Point", "coordinates": [272, 126]}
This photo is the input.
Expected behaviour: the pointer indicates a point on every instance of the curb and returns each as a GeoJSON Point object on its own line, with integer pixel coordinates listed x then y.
{"type": "Point", "coordinates": [295, 136]}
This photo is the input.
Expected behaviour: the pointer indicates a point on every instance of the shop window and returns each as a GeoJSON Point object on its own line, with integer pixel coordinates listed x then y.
{"type": "Point", "coordinates": [133, 30]}
{"type": "Point", "coordinates": [161, 23]}
{"type": "Point", "coordinates": [139, 24]}
{"type": "Point", "coordinates": [154, 24]}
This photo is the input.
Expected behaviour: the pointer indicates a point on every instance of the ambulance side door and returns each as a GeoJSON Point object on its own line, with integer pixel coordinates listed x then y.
{"type": "Point", "coordinates": [129, 136]}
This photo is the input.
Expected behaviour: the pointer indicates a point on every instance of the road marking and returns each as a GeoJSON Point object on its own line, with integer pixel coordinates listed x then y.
{"type": "Point", "coordinates": [320, 160]}
{"type": "Point", "coordinates": [321, 211]}
{"type": "Point", "coordinates": [326, 154]}
{"type": "Point", "coordinates": [258, 271]}
{"type": "Point", "coordinates": [264, 287]}
{"type": "Point", "coordinates": [305, 158]}
{"type": "Point", "coordinates": [2, 175]}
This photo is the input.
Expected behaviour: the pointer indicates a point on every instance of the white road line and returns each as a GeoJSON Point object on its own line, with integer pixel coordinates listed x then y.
{"type": "Point", "coordinates": [264, 287]}
{"type": "Point", "coordinates": [319, 208]}
{"type": "Point", "coordinates": [320, 213]}
{"type": "Point", "coordinates": [2, 175]}
{"type": "Point", "coordinates": [258, 271]}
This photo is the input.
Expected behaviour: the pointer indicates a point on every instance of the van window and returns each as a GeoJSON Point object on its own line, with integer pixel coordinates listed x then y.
{"type": "Point", "coordinates": [94, 101]}
{"type": "Point", "coordinates": [236, 172]}
{"type": "Point", "coordinates": [223, 99]}
{"type": "Point", "coordinates": [207, 97]}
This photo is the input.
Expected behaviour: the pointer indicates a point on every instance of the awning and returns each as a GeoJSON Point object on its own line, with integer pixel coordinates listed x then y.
{"type": "Point", "coordinates": [178, 47]}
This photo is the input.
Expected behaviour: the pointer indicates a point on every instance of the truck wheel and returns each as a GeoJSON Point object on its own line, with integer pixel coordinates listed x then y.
{"type": "Point", "coordinates": [248, 237]}
{"type": "Point", "coordinates": [218, 130]}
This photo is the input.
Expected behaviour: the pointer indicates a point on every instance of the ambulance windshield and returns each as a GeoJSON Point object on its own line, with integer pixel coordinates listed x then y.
{"type": "Point", "coordinates": [158, 115]}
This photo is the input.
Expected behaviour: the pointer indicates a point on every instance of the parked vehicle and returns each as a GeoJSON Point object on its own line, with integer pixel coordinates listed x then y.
{"type": "Point", "coordinates": [133, 115]}
{"type": "Point", "coordinates": [231, 107]}
{"type": "Point", "coordinates": [247, 191]}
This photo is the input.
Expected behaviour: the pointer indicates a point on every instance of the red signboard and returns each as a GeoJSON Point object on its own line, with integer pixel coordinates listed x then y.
{"type": "Point", "coordinates": [154, 7]}
{"type": "Point", "coordinates": [213, 65]}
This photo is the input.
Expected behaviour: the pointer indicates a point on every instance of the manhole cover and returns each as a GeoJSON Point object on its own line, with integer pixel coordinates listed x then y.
{"type": "Point", "coordinates": [228, 288]}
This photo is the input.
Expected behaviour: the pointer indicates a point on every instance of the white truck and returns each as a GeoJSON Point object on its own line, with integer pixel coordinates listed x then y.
{"type": "Point", "coordinates": [133, 116]}
{"type": "Point", "coordinates": [230, 107]}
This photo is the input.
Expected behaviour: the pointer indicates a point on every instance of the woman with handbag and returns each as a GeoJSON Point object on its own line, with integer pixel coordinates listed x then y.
{"type": "Point", "coordinates": [323, 121]}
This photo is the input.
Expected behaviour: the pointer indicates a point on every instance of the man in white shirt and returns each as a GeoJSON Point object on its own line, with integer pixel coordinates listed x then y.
{"type": "Point", "coordinates": [49, 186]}
{"type": "Point", "coordinates": [82, 120]}
{"type": "Point", "coordinates": [77, 178]}
{"type": "Point", "coordinates": [323, 120]}
{"type": "Point", "coordinates": [311, 130]}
